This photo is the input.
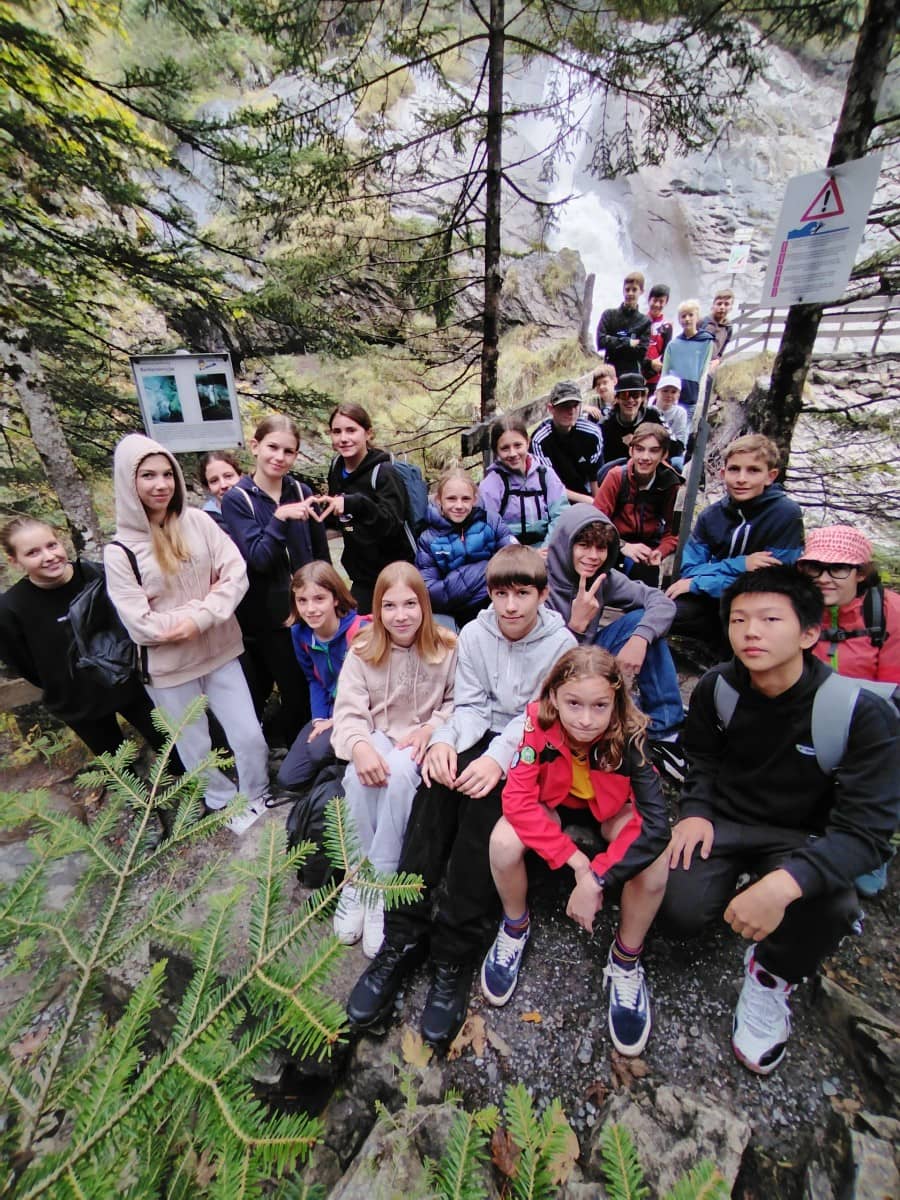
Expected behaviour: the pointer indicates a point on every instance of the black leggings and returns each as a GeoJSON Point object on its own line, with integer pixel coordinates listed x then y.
{"type": "Point", "coordinates": [269, 658]}
{"type": "Point", "coordinates": [103, 735]}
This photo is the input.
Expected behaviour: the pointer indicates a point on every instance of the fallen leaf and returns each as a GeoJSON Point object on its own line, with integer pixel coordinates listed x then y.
{"type": "Point", "coordinates": [498, 1043]}
{"type": "Point", "coordinates": [30, 1043]}
{"type": "Point", "coordinates": [534, 1017]}
{"type": "Point", "coordinates": [504, 1153]}
{"type": "Point", "coordinates": [413, 1049]}
{"type": "Point", "coordinates": [561, 1164]}
{"type": "Point", "coordinates": [206, 1169]}
{"type": "Point", "coordinates": [597, 1092]}
{"type": "Point", "coordinates": [627, 1070]}
{"type": "Point", "coordinates": [472, 1034]}
{"type": "Point", "coordinates": [845, 1105]}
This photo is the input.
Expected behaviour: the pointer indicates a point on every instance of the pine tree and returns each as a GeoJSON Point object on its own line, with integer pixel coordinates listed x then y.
{"type": "Point", "coordinates": [94, 1111]}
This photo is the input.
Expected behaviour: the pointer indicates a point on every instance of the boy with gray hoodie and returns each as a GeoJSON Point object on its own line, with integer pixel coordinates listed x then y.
{"type": "Point", "coordinates": [583, 541]}
{"type": "Point", "coordinates": [503, 657]}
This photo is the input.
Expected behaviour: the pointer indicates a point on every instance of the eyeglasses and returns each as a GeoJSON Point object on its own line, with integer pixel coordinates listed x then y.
{"type": "Point", "coordinates": [835, 570]}
{"type": "Point", "coordinates": [631, 395]}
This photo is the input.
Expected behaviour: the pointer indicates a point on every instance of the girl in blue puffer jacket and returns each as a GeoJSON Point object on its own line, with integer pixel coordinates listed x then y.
{"type": "Point", "coordinates": [455, 546]}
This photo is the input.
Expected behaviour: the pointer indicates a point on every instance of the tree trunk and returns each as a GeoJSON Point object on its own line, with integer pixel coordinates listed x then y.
{"type": "Point", "coordinates": [493, 282]}
{"type": "Point", "coordinates": [585, 333]}
{"type": "Point", "coordinates": [851, 137]}
{"type": "Point", "coordinates": [20, 365]}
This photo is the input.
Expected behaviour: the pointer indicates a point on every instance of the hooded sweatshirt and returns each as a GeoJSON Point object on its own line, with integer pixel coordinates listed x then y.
{"type": "Point", "coordinates": [725, 533]}
{"type": "Point", "coordinates": [273, 549]}
{"type": "Point", "coordinates": [496, 678]}
{"type": "Point", "coordinates": [616, 589]}
{"type": "Point", "coordinates": [688, 358]}
{"type": "Point", "coordinates": [206, 588]}
{"type": "Point", "coordinates": [373, 524]}
{"type": "Point", "coordinates": [395, 697]}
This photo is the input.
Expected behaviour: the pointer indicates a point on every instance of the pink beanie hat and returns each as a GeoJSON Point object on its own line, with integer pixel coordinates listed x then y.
{"type": "Point", "coordinates": [837, 544]}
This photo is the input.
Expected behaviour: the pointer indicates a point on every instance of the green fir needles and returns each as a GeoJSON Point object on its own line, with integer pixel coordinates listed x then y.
{"type": "Point", "coordinates": [96, 1107]}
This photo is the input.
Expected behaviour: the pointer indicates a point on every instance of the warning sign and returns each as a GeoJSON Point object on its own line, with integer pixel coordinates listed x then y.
{"type": "Point", "coordinates": [828, 202]}
{"type": "Point", "coordinates": [819, 231]}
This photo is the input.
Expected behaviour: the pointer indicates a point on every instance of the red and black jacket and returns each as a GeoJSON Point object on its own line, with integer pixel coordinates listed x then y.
{"type": "Point", "coordinates": [540, 776]}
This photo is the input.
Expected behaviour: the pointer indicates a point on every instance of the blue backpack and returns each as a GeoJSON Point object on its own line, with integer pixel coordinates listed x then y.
{"type": "Point", "coordinates": [416, 492]}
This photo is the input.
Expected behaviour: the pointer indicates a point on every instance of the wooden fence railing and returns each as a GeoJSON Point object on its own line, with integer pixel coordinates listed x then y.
{"type": "Point", "coordinates": [863, 325]}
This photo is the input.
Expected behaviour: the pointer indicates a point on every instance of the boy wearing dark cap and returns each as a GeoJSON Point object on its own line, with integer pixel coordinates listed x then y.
{"type": "Point", "coordinates": [570, 444]}
{"type": "Point", "coordinates": [629, 411]}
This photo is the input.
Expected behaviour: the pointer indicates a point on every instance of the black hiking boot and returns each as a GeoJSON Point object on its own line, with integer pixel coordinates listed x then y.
{"type": "Point", "coordinates": [447, 1003]}
{"type": "Point", "coordinates": [376, 989]}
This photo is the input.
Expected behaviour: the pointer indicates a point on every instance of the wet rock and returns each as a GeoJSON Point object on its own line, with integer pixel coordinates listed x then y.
{"type": "Point", "coordinates": [392, 1161]}
{"type": "Point", "coordinates": [873, 1170]}
{"type": "Point", "coordinates": [871, 1037]}
{"type": "Point", "coordinates": [816, 1184]}
{"type": "Point", "coordinates": [674, 1131]}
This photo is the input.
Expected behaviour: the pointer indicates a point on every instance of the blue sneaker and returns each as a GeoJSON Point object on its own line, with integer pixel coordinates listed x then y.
{"type": "Point", "coordinates": [500, 969]}
{"type": "Point", "coordinates": [629, 1007]}
{"type": "Point", "coordinates": [874, 882]}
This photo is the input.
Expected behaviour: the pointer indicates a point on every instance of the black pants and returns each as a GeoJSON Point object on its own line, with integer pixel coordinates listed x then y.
{"type": "Point", "coordinates": [269, 659]}
{"type": "Point", "coordinates": [448, 836]}
{"type": "Point", "coordinates": [811, 929]}
{"type": "Point", "coordinates": [697, 616]}
{"type": "Point", "coordinates": [102, 735]}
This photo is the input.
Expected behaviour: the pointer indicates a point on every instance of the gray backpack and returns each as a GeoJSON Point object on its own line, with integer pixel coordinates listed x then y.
{"type": "Point", "coordinates": [832, 712]}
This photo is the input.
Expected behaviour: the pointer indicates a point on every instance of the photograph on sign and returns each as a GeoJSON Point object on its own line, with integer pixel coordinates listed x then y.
{"type": "Point", "coordinates": [188, 401]}
{"type": "Point", "coordinates": [818, 234]}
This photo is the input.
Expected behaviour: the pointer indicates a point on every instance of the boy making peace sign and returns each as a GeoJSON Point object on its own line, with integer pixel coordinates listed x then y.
{"type": "Point", "coordinates": [581, 552]}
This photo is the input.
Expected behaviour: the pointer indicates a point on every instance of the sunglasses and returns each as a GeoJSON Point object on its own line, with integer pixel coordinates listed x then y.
{"type": "Point", "coordinates": [631, 395]}
{"type": "Point", "coordinates": [835, 570]}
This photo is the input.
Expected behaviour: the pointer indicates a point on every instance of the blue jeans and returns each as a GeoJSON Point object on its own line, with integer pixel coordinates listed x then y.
{"type": "Point", "coordinates": [657, 679]}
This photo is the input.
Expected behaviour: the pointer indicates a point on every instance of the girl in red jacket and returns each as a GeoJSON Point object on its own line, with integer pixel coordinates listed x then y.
{"type": "Point", "coordinates": [582, 759]}
{"type": "Point", "coordinates": [839, 558]}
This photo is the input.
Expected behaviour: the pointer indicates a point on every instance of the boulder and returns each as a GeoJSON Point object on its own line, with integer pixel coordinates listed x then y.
{"type": "Point", "coordinates": [872, 1038]}
{"type": "Point", "coordinates": [392, 1162]}
{"type": "Point", "coordinates": [673, 1131]}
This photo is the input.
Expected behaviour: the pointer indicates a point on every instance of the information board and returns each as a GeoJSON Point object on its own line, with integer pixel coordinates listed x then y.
{"type": "Point", "coordinates": [188, 401]}
{"type": "Point", "coordinates": [818, 233]}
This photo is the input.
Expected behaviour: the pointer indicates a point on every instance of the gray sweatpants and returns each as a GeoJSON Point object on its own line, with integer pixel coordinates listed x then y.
{"type": "Point", "coordinates": [380, 814]}
{"type": "Point", "coordinates": [229, 698]}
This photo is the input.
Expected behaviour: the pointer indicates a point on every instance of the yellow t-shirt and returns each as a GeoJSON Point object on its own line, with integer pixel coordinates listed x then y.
{"type": "Point", "coordinates": [581, 787]}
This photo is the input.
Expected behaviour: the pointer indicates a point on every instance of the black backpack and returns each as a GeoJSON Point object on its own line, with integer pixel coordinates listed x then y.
{"type": "Point", "coordinates": [523, 494]}
{"type": "Point", "coordinates": [873, 620]}
{"type": "Point", "coordinates": [306, 823]}
{"type": "Point", "coordinates": [101, 643]}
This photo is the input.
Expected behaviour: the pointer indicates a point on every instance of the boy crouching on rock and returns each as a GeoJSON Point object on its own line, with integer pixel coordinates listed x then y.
{"type": "Point", "coordinates": [793, 778]}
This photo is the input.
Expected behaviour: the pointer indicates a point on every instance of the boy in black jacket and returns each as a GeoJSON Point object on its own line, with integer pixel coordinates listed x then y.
{"type": "Point", "coordinates": [757, 800]}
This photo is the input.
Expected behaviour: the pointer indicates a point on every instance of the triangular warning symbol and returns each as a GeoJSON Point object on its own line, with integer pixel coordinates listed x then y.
{"type": "Point", "coordinates": [828, 203]}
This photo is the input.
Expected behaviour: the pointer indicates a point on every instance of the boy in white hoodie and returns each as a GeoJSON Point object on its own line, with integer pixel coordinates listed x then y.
{"type": "Point", "coordinates": [503, 657]}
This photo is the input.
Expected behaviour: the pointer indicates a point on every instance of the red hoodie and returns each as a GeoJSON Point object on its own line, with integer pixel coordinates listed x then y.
{"type": "Point", "coordinates": [540, 777]}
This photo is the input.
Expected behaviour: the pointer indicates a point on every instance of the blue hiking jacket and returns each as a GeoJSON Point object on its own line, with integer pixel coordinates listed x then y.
{"type": "Point", "coordinates": [453, 558]}
{"type": "Point", "coordinates": [321, 662]}
{"type": "Point", "coordinates": [716, 552]}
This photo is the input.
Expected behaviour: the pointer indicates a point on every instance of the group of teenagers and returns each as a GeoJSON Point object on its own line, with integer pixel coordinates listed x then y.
{"type": "Point", "coordinates": [481, 700]}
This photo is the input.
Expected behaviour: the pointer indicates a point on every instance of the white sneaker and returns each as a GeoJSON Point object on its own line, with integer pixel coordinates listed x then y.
{"type": "Point", "coordinates": [373, 926]}
{"type": "Point", "coordinates": [241, 823]}
{"type": "Point", "coordinates": [348, 916]}
{"type": "Point", "coordinates": [762, 1019]}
